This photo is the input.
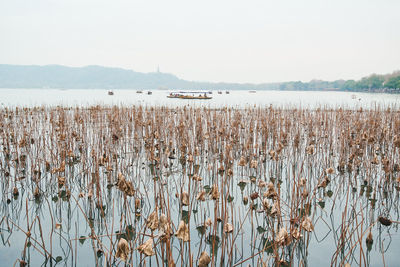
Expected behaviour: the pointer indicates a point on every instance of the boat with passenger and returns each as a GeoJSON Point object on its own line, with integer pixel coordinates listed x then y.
{"type": "Point", "coordinates": [202, 96]}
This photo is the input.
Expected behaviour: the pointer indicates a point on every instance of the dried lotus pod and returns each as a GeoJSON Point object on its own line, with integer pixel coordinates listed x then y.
{"type": "Point", "coordinates": [384, 221]}
{"type": "Point", "coordinates": [245, 200]}
{"type": "Point", "coordinates": [15, 191]}
{"type": "Point", "coordinates": [197, 177]}
{"type": "Point", "coordinates": [329, 170]}
{"type": "Point", "coordinates": [122, 249]}
{"type": "Point", "coordinates": [242, 161]}
{"type": "Point", "coordinates": [137, 203]}
{"type": "Point", "coordinates": [185, 198]}
{"type": "Point", "coordinates": [147, 247]}
{"type": "Point", "coordinates": [254, 195]}
{"type": "Point", "coordinates": [36, 193]}
{"type": "Point", "coordinates": [253, 164]}
{"type": "Point", "coordinates": [303, 182]}
{"type": "Point", "coordinates": [201, 196]}
{"type": "Point", "coordinates": [305, 193]}
{"type": "Point", "coordinates": [271, 192]}
{"type": "Point", "coordinates": [214, 192]}
{"type": "Point", "coordinates": [262, 184]}
{"type": "Point", "coordinates": [61, 181]}
{"type": "Point", "coordinates": [90, 193]}
{"type": "Point", "coordinates": [324, 182]}
{"type": "Point", "coordinates": [183, 232]}
{"type": "Point", "coordinates": [369, 240]}
{"type": "Point", "coordinates": [228, 228]}
{"type": "Point", "coordinates": [208, 222]}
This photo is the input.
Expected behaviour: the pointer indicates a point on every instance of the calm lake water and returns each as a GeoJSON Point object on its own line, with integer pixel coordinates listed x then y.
{"type": "Point", "coordinates": [305, 99]}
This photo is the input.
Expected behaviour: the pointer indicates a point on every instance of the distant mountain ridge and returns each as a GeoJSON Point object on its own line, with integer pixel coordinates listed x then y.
{"type": "Point", "coordinates": [98, 77]}
{"type": "Point", "coordinates": [91, 77]}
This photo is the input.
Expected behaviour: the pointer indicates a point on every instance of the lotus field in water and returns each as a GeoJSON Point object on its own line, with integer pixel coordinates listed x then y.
{"type": "Point", "coordinates": [185, 186]}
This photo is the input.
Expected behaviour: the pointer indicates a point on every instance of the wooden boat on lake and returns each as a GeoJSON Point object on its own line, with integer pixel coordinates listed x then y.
{"type": "Point", "coordinates": [110, 93]}
{"type": "Point", "coordinates": [181, 96]}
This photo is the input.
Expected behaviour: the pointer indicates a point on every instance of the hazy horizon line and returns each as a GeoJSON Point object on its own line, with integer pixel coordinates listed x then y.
{"type": "Point", "coordinates": [201, 81]}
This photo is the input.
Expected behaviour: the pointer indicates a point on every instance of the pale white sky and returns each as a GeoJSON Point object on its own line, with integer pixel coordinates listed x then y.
{"type": "Point", "coordinates": [208, 40]}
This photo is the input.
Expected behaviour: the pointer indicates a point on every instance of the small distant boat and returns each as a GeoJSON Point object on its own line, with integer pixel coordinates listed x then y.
{"type": "Point", "coordinates": [252, 91]}
{"type": "Point", "coordinates": [149, 92]}
{"type": "Point", "coordinates": [353, 96]}
{"type": "Point", "coordinates": [219, 92]}
{"type": "Point", "coordinates": [110, 93]}
{"type": "Point", "coordinates": [227, 92]}
{"type": "Point", "coordinates": [181, 96]}
{"type": "Point", "coordinates": [139, 92]}
{"type": "Point", "coordinates": [210, 92]}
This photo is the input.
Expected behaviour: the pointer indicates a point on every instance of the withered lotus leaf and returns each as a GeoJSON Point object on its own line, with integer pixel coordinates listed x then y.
{"type": "Point", "coordinates": [283, 237]}
{"type": "Point", "coordinates": [265, 203]}
{"type": "Point", "coordinates": [147, 247]}
{"type": "Point", "coordinates": [152, 220]}
{"type": "Point", "coordinates": [296, 233]}
{"type": "Point", "coordinates": [307, 224]}
{"type": "Point", "coordinates": [275, 209]}
{"type": "Point", "coordinates": [165, 226]}
{"type": "Point", "coordinates": [183, 231]}
{"type": "Point", "coordinates": [204, 259]}
{"type": "Point", "coordinates": [270, 193]}
{"type": "Point", "coordinates": [125, 186]}
{"type": "Point", "coordinates": [122, 249]}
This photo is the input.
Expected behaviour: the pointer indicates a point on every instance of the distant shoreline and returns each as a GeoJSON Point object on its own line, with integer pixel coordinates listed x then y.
{"type": "Point", "coordinates": [98, 77]}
